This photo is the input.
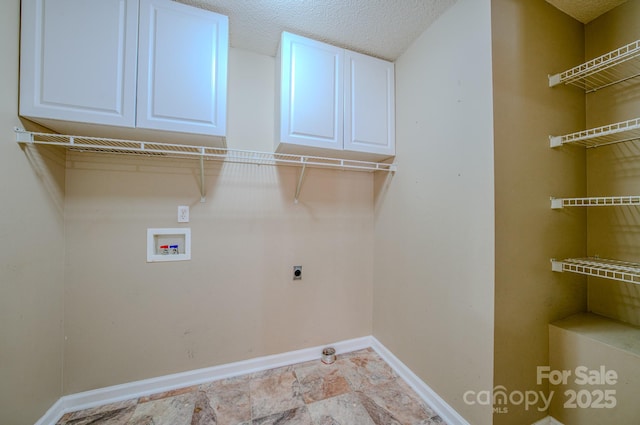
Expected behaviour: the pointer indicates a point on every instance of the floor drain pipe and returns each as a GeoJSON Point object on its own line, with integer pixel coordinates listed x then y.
{"type": "Point", "coordinates": [328, 355]}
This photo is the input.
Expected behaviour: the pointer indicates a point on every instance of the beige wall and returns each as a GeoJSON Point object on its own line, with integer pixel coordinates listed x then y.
{"type": "Point", "coordinates": [433, 274]}
{"type": "Point", "coordinates": [31, 254]}
{"type": "Point", "coordinates": [126, 319]}
{"type": "Point", "coordinates": [614, 169]}
{"type": "Point", "coordinates": [531, 40]}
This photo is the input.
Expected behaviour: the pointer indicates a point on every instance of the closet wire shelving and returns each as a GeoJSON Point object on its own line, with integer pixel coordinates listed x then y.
{"type": "Point", "coordinates": [606, 70]}
{"type": "Point", "coordinates": [593, 266]}
{"type": "Point", "coordinates": [201, 153]}
{"type": "Point", "coordinates": [596, 201]}
{"type": "Point", "coordinates": [624, 131]}
{"type": "Point", "coordinates": [611, 68]}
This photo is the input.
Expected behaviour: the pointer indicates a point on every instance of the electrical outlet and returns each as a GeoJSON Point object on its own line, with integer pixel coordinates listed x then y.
{"type": "Point", "coordinates": [297, 272]}
{"type": "Point", "coordinates": [183, 214]}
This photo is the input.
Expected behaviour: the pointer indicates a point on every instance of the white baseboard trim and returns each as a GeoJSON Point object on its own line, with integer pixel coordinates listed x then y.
{"type": "Point", "coordinates": [116, 393]}
{"type": "Point", "coordinates": [441, 407]}
{"type": "Point", "coordinates": [54, 413]}
{"type": "Point", "coordinates": [549, 420]}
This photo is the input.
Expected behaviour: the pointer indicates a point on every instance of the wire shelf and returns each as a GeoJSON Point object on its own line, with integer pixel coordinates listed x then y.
{"type": "Point", "coordinates": [611, 68]}
{"type": "Point", "coordinates": [608, 269]}
{"type": "Point", "coordinates": [624, 131]}
{"type": "Point", "coordinates": [168, 150]}
{"type": "Point", "coordinates": [600, 201]}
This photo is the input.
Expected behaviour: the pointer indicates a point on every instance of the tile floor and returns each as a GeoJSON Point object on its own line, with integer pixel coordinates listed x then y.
{"type": "Point", "coordinates": [358, 389]}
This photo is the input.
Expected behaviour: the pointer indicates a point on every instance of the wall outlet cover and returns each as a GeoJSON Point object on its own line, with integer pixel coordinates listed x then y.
{"type": "Point", "coordinates": [183, 214]}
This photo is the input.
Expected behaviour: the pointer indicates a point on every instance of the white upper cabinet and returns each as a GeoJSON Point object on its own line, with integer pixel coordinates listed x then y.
{"type": "Point", "coordinates": [144, 64]}
{"type": "Point", "coordinates": [334, 101]}
{"type": "Point", "coordinates": [182, 68]}
{"type": "Point", "coordinates": [78, 60]}
{"type": "Point", "coordinates": [369, 123]}
{"type": "Point", "coordinates": [311, 93]}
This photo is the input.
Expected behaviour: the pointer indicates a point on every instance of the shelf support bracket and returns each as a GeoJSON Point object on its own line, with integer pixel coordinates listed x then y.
{"type": "Point", "coordinates": [555, 141]}
{"type": "Point", "coordinates": [203, 191]}
{"type": "Point", "coordinates": [300, 179]}
{"type": "Point", "coordinates": [23, 136]}
{"type": "Point", "coordinates": [556, 266]}
{"type": "Point", "coordinates": [557, 203]}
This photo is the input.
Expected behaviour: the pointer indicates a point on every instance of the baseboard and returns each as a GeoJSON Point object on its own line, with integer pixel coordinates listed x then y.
{"type": "Point", "coordinates": [116, 393]}
{"type": "Point", "coordinates": [549, 420]}
{"type": "Point", "coordinates": [441, 407]}
{"type": "Point", "coordinates": [54, 413]}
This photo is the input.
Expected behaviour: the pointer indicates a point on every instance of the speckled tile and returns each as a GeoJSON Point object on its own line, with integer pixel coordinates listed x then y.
{"type": "Point", "coordinates": [344, 409]}
{"type": "Point", "coordinates": [176, 410]}
{"type": "Point", "coordinates": [320, 381]}
{"type": "Point", "coordinates": [108, 414]}
{"type": "Point", "coordinates": [359, 389]}
{"type": "Point", "coordinates": [230, 400]}
{"type": "Point", "coordinates": [400, 401]}
{"type": "Point", "coordinates": [203, 413]}
{"type": "Point", "coordinates": [364, 369]}
{"type": "Point", "coordinates": [117, 416]}
{"type": "Point", "coordinates": [271, 372]}
{"type": "Point", "coordinates": [171, 393]}
{"type": "Point", "coordinates": [274, 392]}
{"type": "Point", "coordinates": [297, 416]}
{"type": "Point", "coordinates": [378, 414]}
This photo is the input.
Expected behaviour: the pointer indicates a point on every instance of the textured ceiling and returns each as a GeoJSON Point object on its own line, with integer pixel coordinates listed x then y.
{"type": "Point", "coordinates": [585, 10]}
{"type": "Point", "coordinates": [382, 28]}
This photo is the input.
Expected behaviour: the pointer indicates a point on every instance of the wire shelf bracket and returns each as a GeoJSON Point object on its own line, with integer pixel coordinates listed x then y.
{"type": "Point", "coordinates": [611, 68]}
{"type": "Point", "coordinates": [203, 190]}
{"type": "Point", "coordinates": [300, 179]}
{"type": "Point", "coordinates": [202, 153]}
{"type": "Point", "coordinates": [624, 131]}
{"type": "Point", "coordinates": [599, 201]}
{"type": "Point", "coordinates": [592, 266]}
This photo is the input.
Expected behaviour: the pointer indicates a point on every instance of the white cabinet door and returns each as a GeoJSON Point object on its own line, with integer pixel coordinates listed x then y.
{"type": "Point", "coordinates": [78, 60]}
{"type": "Point", "coordinates": [182, 68]}
{"type": "Point", "coordinates": [335, 99]}
{"type": "Point", "coordinates": [369, 123]}
{"type": "Point", "coordinates": [311, 87]}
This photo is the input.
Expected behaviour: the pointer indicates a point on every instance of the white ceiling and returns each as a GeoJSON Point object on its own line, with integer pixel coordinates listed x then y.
{"type": "Point", "coordinates": [585, 10]}
{"type": "Point", "coordinates": [382, 28]}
